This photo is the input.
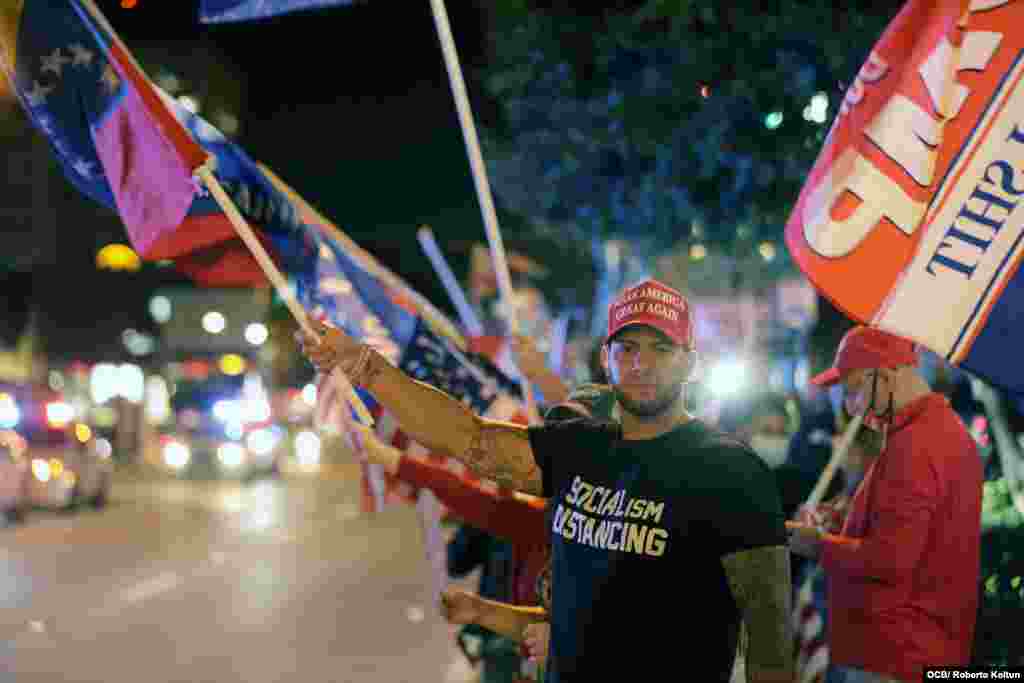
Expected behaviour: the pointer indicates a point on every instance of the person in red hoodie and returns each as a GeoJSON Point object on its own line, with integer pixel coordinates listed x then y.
{"type": "Point", "coordinates": [903, 572]}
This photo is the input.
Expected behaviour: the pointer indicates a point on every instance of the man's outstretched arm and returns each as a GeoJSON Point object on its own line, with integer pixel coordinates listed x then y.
{"type": "Point", "coordinates": [492, 449]}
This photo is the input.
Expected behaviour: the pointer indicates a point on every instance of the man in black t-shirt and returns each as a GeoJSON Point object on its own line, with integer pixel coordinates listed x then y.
{"type": "Point", "coordinates": [665, 533]}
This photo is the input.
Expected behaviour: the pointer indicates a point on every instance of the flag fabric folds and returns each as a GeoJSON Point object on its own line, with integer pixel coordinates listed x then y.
{"type": "Point", "coordinates": [114, 140]}
{"type": "Point", "coordinates": [127, 145]}
{"type": "Point", "coordinates": [908, 220]}
{"type": "Point", "coordinates": [206, 247]}
{"type": "Point", "coordinates": [216, 11]}
{"type": "Point", "coordinates": [347, 293]}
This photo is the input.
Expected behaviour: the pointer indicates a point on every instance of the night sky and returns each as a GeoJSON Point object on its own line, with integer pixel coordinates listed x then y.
{"type": "Point", "coordinates": [350, 105]}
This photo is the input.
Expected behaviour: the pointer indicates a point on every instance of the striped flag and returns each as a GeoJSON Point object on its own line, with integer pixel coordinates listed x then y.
{"type": "Point", "coordinates": [809, 625]}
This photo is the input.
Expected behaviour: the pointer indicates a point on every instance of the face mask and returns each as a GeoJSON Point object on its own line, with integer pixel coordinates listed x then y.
{"type": "Point", "coordinates": [770, 448]}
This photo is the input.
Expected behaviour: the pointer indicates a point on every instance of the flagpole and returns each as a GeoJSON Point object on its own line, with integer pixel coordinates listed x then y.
{"type": "Point", "coordinates": [838, 458]}
{"type": "Point", "coordinates": [469, 320]}
{"type": "Point", "coordinates": [205, 173]}
{"type": "Point", "coordinates": [431, 314]}
{"type": "Point", "coordinates": [276, 279]}
{"type": "Point", "coordinates": [483, 188]}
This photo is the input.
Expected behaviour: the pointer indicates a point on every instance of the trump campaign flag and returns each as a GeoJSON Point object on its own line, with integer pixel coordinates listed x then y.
{"type": "Point", "coordinates": [215, 11]}
{"type": "Point", "coordinates": [114, 139]}
{"type": "Point", "coordinates": [908, 220]}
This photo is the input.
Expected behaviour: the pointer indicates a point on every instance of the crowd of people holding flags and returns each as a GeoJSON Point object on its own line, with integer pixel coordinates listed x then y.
{"type": "Point", "coordinates": [640, 537]}
{"type": "Point", "coordinates": [897, 543]}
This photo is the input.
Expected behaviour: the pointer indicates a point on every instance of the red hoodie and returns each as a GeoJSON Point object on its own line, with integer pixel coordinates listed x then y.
{"type": "Point", "coordinates": [904, 572]}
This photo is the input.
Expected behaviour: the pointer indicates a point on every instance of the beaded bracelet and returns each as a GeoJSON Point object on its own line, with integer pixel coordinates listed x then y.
{"type": "Point", "coordinates": [360, 372]}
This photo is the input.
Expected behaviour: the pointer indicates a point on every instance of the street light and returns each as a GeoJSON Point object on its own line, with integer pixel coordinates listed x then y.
{"type": "Point", "coordinates": [160, 308]}
{"type": "Point", "coordinates": [256, 333]}
{"type": "Point", "coordinates": [214, 322]}
{"type": "Point", "coordinates": [118, 257]}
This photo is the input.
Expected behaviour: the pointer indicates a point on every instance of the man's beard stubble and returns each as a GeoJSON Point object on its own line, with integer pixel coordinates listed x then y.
{"type": "Point", "coordinates": [649, 410]}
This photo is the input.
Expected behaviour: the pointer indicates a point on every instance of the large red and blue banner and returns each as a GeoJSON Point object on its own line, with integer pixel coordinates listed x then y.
{"type": "Point", "coordinates": [908, 220]}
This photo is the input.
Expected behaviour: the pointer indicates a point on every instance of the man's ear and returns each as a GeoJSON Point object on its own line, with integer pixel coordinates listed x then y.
{"type": "Point", "coordinates": [604, 362]}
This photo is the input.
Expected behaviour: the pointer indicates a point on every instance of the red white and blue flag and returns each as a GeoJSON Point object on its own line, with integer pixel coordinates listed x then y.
{"type": "Point", "coordinates": [908, 220]}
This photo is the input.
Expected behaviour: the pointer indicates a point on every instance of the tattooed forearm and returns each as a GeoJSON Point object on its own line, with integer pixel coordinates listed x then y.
{"type": "Point", "coordinates": [760, 584]}
{"type": "Point", "coordinates": [502, 452]}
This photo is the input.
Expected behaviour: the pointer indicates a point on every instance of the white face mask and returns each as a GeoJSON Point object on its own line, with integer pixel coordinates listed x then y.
{"type": "Point", "coordinates": [772, 449]}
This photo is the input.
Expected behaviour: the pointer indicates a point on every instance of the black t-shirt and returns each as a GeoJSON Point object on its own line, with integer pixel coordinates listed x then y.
{"type": "Point", "coordinates": [638, 532]}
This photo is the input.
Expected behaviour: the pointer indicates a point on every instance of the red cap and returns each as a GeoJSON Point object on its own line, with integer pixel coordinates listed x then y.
{"type": "Point", "coordinates": [656, 305]}
{"type": "Point", "coordinates": [867, 348]}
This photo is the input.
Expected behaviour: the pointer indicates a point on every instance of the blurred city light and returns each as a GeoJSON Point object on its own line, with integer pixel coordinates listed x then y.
{"type": "Point", "coordinates": [59, 414]}
{"type": "Point", "coordinates": [55, 380]}
{"type": "Point", "coordinates": [227, 410]}
{"type": "Point", "coordinates": [131, 382]}
{"type": "Point", "coordinates": [307, 448]}
{"type": "Point", "coordinates": [9, 413]}
{"type": "Point", "coordinates": [227, 123]}
{"type": "Point", "coordinates": [109, 381]}
{"type": "Point", "coordinates": [160, 308]}
{"type": "Point", "coordinates": [168, 81]}
{"type": "Point", "coordinates": [231, 455]}
{"type": "Point", "coordinates": [698, 252]}
{"type": "Point", "coordinates": [262, 442]}
{"type": "Point", "coordinates": [118, 257]}
{"type": "Point", "coordinates": [767, 250]}
{"type": "Point", "coordinates": [176, 454]}
{"type": "Point", "coordinates": [773, 120]}
{"type": "Point", "coordinates": [137, 343]}
{"type": "Point", "coordinates": [256, 333]}
{"type": "Point", "coordinates": [82, 432]}
{"type": "Point", "coordinates": [158, 400]}
{"type": "Point", "coordinates": [817, 110]}
{"type": "Point", "coordinates": [189, 102]}
{"type": "Point", "coordinates": [727, 377]}
{"type": "Point", "coordinates": [232, 364]}
{"type": "Point", "coordinates": [214, 322]}
{"type": "Point", "coordinates": [103, 448]}
{"type": "Point", "coordinates": [41, 470]}
{"type": "Point", "coordinates": [234, 431]}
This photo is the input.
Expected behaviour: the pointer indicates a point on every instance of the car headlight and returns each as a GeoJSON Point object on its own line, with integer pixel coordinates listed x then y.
{"type": "Point", "coordinates": [230, 454]}
{"type": "Point", "coordinates": [177, 455]}
{"type": "Point", "coordinates": [307, 448]}
{"type": "Point", "coordinates": [41, 470]}
{"type": "Point", "coordinates": [262, 442]}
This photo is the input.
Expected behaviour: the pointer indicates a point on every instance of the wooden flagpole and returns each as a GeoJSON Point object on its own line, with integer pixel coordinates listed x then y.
{"type": "Point", "coordinates": [483, 188]}
{"type": "Point", "coordinates": [270, 269]}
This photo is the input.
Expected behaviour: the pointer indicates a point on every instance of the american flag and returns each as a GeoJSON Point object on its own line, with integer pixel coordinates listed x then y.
{"type": "Point", "coordinates": [348, 291]}
{"type": "Point", "coordinates": [809, 621]}
{"type": "Point", "coordinates": [810, 608]}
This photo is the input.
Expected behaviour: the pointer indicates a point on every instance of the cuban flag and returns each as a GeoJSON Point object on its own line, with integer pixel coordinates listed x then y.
{"type": "Point", "coordinates": [910, 220]}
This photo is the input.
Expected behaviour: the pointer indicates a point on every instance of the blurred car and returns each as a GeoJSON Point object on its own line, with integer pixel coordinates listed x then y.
{"type": "Point", "coordinates": [221, 428]}
{"type": "Point", "coordinates": [68, 464]}
{"type": "Point", "coordinates": [15, 474]}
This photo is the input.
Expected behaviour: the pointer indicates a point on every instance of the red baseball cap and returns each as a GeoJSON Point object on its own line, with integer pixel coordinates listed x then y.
{"type": "Point", "coordinates": [867, 348]}
{"type": "Point", "coordinates": [656, 305]}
